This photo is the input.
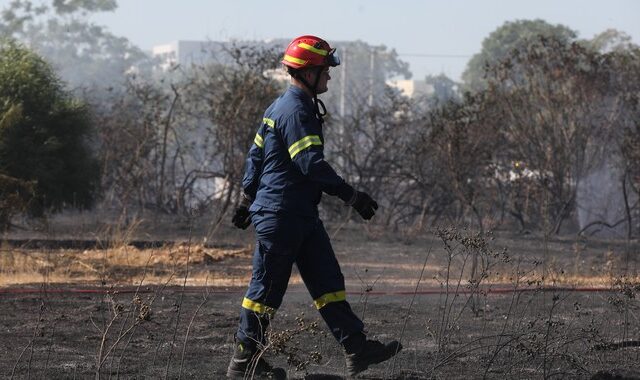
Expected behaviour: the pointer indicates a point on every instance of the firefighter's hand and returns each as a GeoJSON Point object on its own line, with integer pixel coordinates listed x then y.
{"type": "Point", "coordinates": [364, 205]}
{"type": "Point", "coordinates": [241, 216]}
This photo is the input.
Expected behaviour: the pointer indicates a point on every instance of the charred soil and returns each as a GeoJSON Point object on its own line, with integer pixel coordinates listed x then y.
{"type": "Point", "coordinates": [531, 308]}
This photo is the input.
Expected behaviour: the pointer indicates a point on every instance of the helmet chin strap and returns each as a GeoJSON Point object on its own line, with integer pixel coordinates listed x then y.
{"type": "Point", "coordinates": [314, 90]}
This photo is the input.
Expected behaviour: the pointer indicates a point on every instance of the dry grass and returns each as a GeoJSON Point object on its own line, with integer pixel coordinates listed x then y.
{"type": "Point", "coordinates": [125, 266]}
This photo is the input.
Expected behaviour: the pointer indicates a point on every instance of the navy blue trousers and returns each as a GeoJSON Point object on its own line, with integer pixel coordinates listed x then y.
{"type": "Point", "coordinates": [283, 240]}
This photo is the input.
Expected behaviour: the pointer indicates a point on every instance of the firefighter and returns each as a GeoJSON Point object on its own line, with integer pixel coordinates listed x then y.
{"type": "Point", "coordinates": [285, 176]}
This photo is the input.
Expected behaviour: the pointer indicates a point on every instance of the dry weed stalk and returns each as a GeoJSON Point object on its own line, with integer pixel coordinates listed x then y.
{"type": "Point", "coordinates": [137, 312]}
{"type": "Point", "coordinates": [31, 344]}
{"type": "Point", "coordinates": [456, 298]}
{"type": "Point", "coordinates": [287, 343]}
{"type": "Point", "coordinates": [547, 338]}
{"type": "Point", "coordinates": [179, 306]}
{"type": "Point", "coordinates": [366, 290]}
{"type": "Point", "coordinates": [408, 314]}
{"type": "Point", "coordinates": [205, 298]}
{"type": "Point", "coordinates": [459, 248]}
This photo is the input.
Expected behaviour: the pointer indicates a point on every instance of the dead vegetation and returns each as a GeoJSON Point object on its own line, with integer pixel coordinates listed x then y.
{"type": "Point", "coordinates": [465, 304]}
{"type": "Point", "coordinates": [123, 265]}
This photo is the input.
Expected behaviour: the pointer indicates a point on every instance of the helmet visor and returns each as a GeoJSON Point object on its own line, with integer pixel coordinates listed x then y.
{"type": "Point", "coordinates": [332, 58]}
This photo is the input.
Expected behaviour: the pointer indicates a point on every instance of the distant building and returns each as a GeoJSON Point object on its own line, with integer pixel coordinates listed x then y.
{"type": "Point", "coordinates": [185, 53]}
{"type": "Point", "coordinates": [412, 88]}
{"type": "Point", "coordinates": [355, 79]}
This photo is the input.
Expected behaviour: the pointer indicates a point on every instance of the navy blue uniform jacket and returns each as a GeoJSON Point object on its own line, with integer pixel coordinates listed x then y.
{"type": "Point", "coordinates": [285, 169]}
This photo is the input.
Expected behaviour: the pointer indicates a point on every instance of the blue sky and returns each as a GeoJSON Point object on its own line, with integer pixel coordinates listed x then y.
{"type": "Point", "coordinates": [447, 33]}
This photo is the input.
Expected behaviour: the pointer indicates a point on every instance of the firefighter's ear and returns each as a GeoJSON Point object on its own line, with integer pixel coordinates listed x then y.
{"type": "Point", "coordinates": [309, 75]}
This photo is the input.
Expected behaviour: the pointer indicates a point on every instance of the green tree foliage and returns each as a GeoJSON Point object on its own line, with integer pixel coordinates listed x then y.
{"type": "Point", "coordinates": [499, 44]}
{"type": "Point", "coordinates": [84, 54]}
{"type": "Point", "coordinates": [43, 135]}
{"type": "Point", "coordinates": [71, 6]}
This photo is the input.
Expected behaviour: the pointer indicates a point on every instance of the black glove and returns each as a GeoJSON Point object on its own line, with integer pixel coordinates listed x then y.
{"type": "Point", "coordinates": [364, 204]}
{"type": "Point", "coordinates": [241, 217]}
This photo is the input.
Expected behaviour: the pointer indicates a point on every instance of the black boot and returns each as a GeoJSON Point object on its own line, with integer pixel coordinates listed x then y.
{"type": "Point", "coordinates": [247, 363]}
{"type": "Point", "coordinates": [361, 356]}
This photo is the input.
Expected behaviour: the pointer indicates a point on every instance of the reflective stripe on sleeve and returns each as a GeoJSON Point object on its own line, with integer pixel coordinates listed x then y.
{"type": "Point", "coordinates": [269, 122]}
{"type": "Point", "coordinates": [258, 307]}
{"type": "Point", "coordinates": [304, 143]}
{"type": "Point", "coordinates": [322, 52]}
{"type": "Point", "coordinates": [328, 298]}
{"type": "Point", "coordinates": [258, 141]}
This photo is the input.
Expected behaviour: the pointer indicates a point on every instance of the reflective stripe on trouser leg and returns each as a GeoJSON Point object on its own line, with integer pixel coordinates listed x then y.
{"type": "Point", "coordinates": [272, 261]}
{"type": "Point", "coordinates": [254, 321]}
{"type": "Point", "coordinates": [328, 298]}
{"type": "Point", "coordinates": [258, 308]}
{"type": "Point", "coordinates": [321, 274]}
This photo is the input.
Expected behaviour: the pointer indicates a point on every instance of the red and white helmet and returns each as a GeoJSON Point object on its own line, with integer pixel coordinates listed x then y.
{"type": "Point", "coordinates": [309, 51]}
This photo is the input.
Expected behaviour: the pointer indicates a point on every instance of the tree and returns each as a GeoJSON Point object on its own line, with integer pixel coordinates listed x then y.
{"type": "Point", "coordinates": [84, 54]}
{"type": "Point", "coordinates": [631, 176]}
{"type": "Point", "coordinates": [611, 40]}
{"type": "Point", "coordinates": [501, 42]}
{"type": "Point", "coordinates": [230, 101]}
{"type": "Point", "coordinates": [370, 151]}
{"type": "Point", "coordinates": [444, 90]}
{"type": "Point", "coordinates": [178, 143]}
{"type": "Point", "coordinates": [552, 97]}
{"type": "Point", "coordinates": [464, 139]}
{"type": "Point", "coordinates": [133, 130]}
{"type": "Point", "coordinates": [626, 86]}
{"type": "Point", "coordinates": [43, 134]}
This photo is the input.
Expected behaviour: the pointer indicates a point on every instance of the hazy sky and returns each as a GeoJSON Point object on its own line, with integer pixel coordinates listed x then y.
{"type": "Point", "coordinates": [444, 33]}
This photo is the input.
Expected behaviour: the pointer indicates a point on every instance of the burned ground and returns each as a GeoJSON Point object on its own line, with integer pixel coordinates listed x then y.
{"type": "Point", "coordinates": [563, 308]}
